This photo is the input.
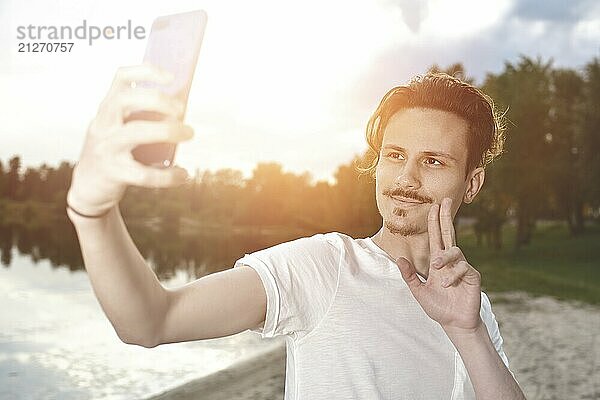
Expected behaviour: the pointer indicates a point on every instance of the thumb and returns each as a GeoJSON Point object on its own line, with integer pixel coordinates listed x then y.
{"type": "Point", "coordinates": [409, 273]}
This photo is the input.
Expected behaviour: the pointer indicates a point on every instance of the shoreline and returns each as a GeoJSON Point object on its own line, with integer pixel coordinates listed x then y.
{"type": "Point", "coordinates": [260, 377]}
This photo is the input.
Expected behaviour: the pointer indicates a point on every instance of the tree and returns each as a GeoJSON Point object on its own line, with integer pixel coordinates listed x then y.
{"type": "Point", "coordinates": [563, 140]}
{"type": "Point", "coordinates": [524, 89]}
{"type": "Point", "coordinates": [2, 180]}
{"type": "Point", "coordinates": [590, 147]}
{"type": "Point", "coordinates": [196, 191]}
{"type": "Point", "coordinates": [13, 177]}
{"type": "Point", "coordinates": [32, 184]}
{"type": "Point", "coordinates": [266, 196]}
{"type": "Point", "coordinates": [354, 199]}
{"type": "Point", "coordinates": [490, 209]}
{"type": "Point", "coordinates": [224, 192]}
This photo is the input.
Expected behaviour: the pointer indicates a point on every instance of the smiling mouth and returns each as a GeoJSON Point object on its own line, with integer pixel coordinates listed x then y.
{"type": "Point", "coordinates": [406, 200]}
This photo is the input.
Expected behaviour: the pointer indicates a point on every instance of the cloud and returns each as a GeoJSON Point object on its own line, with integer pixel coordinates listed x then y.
{"type": "Point", "coordinates": [413, 13]}
{"type": "Point", "coordinates": [520, 31]}
{"type": "Point", "coordinates": [555, 11]}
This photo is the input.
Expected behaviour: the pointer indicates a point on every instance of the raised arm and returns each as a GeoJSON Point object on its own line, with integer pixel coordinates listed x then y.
{"type": "Point", "coordinates": [140, 309]}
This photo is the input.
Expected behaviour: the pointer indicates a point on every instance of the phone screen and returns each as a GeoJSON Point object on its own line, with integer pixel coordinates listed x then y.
{"type": "Point", "coordinates": [173, 45]}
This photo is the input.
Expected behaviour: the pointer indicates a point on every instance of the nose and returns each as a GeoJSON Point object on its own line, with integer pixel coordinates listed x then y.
{"type": "Point", "coordinates": [408, 177]}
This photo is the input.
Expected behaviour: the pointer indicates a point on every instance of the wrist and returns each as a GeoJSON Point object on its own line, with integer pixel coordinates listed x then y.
{"type": "Point", "coordinates": [466, 333]}
{"type": "Point", "coordinates": [77, 209]}
{"type": "Point", "coordinates": [81, 219]}
{"type": "Point", "coordinates": [84, 215]}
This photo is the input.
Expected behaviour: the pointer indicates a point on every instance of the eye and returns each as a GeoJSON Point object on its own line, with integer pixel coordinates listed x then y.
{"type": "Point", "coordinates": [393, 154]}
{"type": "Point", "coordinates": [432, 161]}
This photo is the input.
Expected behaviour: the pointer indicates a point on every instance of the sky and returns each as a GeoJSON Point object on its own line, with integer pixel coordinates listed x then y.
{"type": "Point", "coordinates": [276, 81]}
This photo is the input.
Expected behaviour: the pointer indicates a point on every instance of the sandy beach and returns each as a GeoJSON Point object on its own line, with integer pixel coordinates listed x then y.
{"type": "Point", "coordinates": [553, 348]}
{"type": "Point", "coordinates": [258, 378]}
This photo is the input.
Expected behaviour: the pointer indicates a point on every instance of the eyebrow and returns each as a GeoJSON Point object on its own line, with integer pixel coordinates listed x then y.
{"type": "Point", "coordinates": [428, 153]}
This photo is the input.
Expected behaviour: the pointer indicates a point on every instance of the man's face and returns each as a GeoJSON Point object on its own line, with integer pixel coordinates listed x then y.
{"type": "Point", "coordinates": [422, 159]}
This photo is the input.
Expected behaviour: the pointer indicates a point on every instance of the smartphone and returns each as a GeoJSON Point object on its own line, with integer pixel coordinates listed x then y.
{"type": "Point", "coordinates": [173, 45]}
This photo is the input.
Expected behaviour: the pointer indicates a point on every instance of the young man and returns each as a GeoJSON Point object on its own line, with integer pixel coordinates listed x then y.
{"type": "Point", "coordinates": [399, 315]}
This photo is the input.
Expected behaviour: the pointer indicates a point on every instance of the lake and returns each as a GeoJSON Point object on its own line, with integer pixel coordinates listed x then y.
{"type": "Point", "coordinates": [56, 343]}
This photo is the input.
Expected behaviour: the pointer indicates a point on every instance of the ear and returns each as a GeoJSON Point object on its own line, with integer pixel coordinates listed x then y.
{"type": "Point", "coordinates": [474, 184]}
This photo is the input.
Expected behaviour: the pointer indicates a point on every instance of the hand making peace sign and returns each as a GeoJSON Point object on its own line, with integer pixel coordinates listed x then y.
{"type": "Point", "coordinates": [452, 293]}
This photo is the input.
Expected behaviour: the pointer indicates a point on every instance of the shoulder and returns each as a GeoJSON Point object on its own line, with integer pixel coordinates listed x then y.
{"type": "Point", "coordinates": [310, 257]}
{"type": "Point", "coordinates": [317, 245]}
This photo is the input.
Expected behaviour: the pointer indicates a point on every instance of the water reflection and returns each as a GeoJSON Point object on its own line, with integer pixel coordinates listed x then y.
{"type": "Point", "coordinates": [55, 341]}
{"type": "Point", "coordinates": [167, 246]}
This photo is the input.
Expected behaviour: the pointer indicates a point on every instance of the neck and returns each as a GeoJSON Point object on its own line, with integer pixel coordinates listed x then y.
{"type": "Point", "coordinates": [415, 248]}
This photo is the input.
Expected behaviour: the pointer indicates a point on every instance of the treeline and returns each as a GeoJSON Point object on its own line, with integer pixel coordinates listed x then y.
{"type": "Point", "coordinates": [550, 169]}
{"type": "Point", "coordinates": [270, 197]}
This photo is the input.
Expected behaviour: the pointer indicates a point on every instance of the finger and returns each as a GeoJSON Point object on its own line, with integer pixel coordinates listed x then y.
{"type": "Point", "coordinates": [133, 100]}
{"type": "Point", "coordinates": [145, 72]}
{"type": "Point", "coordinates": [433, 228]}
{"type": "Point", "coordinates": [464, 272]}
{"type": "Point", "coordinates": [134, 173]}
{"type": "Point", "coordinates": [141, 132]}
{"type": "Point", "coordinates": [447, 257]}
{"type": "Point", "coordinates": [447, 227]}
{"type": "Point", "coordinates": [409, 274]}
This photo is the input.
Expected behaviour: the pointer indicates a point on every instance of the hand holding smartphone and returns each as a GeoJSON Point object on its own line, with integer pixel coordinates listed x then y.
{"type": "Point", "coordinates": [173, 45]}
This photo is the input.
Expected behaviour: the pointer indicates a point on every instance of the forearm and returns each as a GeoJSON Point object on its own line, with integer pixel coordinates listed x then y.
{"type": "Point", "coordinates": [489, 375]}
{"type": "Point", "coordinates": [126, 287]}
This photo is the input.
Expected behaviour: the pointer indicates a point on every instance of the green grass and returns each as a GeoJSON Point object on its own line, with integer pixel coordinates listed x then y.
{"type": "Point", "coordinates": [554, 263]}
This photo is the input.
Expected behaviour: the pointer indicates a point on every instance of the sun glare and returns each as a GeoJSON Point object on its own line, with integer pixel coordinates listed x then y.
{"type": "Point", "coordinates": [287, 70]}
{"type": "Point", "coordinates": [462, 18]}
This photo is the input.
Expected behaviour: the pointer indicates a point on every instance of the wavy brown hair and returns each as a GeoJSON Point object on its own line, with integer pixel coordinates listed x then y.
{"type": "Point", "coordinates": [440, 91]}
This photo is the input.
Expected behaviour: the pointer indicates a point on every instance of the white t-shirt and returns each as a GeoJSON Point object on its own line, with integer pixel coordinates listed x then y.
{"type": "Point", "coordinates": [353, 329]}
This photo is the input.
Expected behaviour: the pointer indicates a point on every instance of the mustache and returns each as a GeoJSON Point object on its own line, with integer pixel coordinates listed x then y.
{"type": "Point", "coordinates": [410, 194]}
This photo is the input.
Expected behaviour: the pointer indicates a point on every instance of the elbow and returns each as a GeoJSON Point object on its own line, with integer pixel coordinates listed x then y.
{"type": "Point", "coordinates": [142, 343]}
{"type": "Point", "coordinates": [138, 340]}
